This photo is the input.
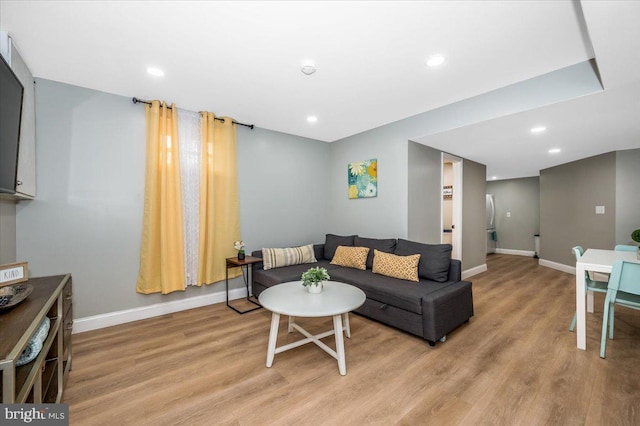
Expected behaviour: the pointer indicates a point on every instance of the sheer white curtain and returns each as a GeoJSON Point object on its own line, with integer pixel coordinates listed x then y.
{"type": "Point", "coordinates": [190, 139]}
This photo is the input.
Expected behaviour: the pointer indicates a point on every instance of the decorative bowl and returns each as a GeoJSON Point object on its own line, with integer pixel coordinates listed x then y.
{"type": "Point", "coordinates": [11, 295]}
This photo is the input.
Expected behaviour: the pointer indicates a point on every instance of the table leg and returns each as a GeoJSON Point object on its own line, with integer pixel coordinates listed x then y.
{"type": "Point", "coordinates": [226, 283]}
{"type": "Point", "coordinates": [347, 326]}
{"type": "Point", "coordinates": [590, 301]}
{"type": "Point", "coordinates": [337, 327]}
{"type": "Point", "coordinates": [245, 278]}
{"type": "Point", "coordinates": [273, 337]}
{"type": "Point", "coordinates": [290, 329]}
{"type": "Point", "coordinates": [581, 333]}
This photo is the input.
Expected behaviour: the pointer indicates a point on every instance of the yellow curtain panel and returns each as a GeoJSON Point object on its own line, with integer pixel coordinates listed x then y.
{"type": "Point", "coordinates": [219, 205]}
{"type": "Point", "coordinates": [162, 253]}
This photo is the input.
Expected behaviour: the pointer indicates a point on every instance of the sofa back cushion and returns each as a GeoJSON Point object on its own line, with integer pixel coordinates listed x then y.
{"type": "Point", "coordinates": [391, 265]}
{"type": "Point", "coordinates": [351, 257]}
{"type": "Point", "coordinates": [386, 245]}
{"type": "Point", "coordinates": [333, 241]}
{"type": "Point", "coordinates": [435, 259]}
{"type": "Point", "coordinates": [279, 257]}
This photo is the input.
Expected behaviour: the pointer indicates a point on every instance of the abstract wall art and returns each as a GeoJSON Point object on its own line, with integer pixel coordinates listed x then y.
{"type": "Point", "coordinates": [362, 178]}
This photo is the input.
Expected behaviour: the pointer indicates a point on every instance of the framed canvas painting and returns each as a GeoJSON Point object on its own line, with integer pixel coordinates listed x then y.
{"type": "Point", "coordinates": [362, 178]}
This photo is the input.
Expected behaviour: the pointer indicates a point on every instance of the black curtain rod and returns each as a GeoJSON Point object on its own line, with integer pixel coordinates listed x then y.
{"type": "Point", "coordinates": [142, 101]}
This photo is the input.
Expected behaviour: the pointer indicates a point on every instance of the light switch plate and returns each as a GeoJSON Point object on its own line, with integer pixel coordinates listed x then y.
{"type": "Point", "coordinates": [508, 214]}
{"type": "Point", "coordinates": [599, 209]}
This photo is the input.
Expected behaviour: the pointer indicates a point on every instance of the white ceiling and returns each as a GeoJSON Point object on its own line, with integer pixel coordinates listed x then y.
{"type": "Point", "coordinates": [243, 59]}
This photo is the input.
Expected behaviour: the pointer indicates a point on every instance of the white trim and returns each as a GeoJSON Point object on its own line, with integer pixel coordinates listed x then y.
{"type": "Point", "coordinates": [456, 207]}
{"type": "Point", "coordinates": [559, 266]}
{"type": "Point", "coordinates": [5, 46]}
{"type": "Point", "coordinates": [135, 314]}
{"type": "Point", "coordinates": [474, 271]}
{"type": "Point", "coordinates": [527, 253]}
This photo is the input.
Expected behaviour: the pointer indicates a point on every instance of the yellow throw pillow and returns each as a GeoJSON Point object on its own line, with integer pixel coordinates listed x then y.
{"type": "Point", "coordinates": [351, 257]}
{"type": "Point", "coordinates": [391, 265]}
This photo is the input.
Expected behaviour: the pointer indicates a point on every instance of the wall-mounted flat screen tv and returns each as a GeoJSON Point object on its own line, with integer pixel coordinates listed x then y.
{"type": "Point", "coordinates": [11, 92]}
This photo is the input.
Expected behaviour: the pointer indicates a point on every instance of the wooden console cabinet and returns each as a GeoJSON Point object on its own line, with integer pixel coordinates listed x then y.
{"type": "Point", "coordinates": [43, 379]}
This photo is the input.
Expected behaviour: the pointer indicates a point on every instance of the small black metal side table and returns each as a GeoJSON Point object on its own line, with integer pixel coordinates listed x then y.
{"type": "Point", "coordinates": [246, 265]}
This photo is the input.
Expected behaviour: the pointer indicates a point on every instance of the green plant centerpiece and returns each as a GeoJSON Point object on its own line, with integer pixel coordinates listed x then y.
{"type": "Point", "coordinates": [312, 279]}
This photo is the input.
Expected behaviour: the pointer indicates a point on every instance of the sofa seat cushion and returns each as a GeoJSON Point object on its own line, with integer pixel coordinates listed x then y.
{"type": "Point", "coordinates": [290, 273]}
{"type": "Point", "coordinates": [387, 245]}
{"type": "Point", "coordinates": [402, 294]}
{"type": "Point", "coordinates": [435, 259]}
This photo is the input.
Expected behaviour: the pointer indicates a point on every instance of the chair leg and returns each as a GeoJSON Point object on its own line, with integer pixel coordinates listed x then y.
{"type": "Point", "coordinates": [605, 320]}
{"type": "Point", "coordinates": [611, 319]}
{"type": "Point", "coordinates": [573, 322]}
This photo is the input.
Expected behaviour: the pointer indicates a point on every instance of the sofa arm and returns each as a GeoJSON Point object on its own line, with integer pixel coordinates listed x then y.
{"type": "Point", "coordinates": [257, 266]}
{"type": "Point", "coordinates": [455, 270]}
{"type": "Point", "coordinates": [446, 309]}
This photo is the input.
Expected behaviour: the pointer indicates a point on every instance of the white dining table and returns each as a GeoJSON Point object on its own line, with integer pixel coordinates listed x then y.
{"type": "Point", "coordinates": [594, 260]}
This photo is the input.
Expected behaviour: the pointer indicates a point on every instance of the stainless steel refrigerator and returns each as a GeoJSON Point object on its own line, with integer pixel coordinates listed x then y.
{"type": "Point", "coordinates": [492, 236]}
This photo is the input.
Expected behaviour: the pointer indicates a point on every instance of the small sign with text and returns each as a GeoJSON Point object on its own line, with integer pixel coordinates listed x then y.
{"type": "Point", "coordinates": [34, 414]}
{"type": "Point", "coordinates": [13, 273]}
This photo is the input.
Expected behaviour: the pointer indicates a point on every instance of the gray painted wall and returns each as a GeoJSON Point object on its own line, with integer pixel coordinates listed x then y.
{"type": "Point", "coordinates": [425, 193]}
{"type": "Point", "coordinates": [283, 188]}
{"type": "Point", "coordinates": [520, 197]}
{"type": "Point", "coordinates": [627, 191]}
{"type": "Point", "coordinates": [388, 214]}
{"type": "Point", "coordinates": [384, 216]}
{"type": "Point", "coordinates": [569, 194]}
{"type": "Point", "coordinates": [474, 187]}
{"type": "Point", "coordinates": [87, 217]}
{"type": "Point", "coordinates": [7, 231]}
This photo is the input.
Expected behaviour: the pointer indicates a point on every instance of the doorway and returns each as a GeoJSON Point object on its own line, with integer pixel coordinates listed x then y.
{"type": "Point", "coordinates": [451, 217]}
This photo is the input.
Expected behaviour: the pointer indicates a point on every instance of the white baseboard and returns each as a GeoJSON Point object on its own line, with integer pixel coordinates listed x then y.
{"type": "Point", "coordinates": [559, 266]}
{"type": "Point", "coordinates": [527, 253]}
{"type": "Point", "coordinates": [474, 271]}
{"type": "Point", "coordinates": [128, 315]}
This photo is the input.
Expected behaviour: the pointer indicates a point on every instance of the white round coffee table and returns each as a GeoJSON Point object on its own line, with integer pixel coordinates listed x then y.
{"type": "Point", "coordinates": [292, 299]}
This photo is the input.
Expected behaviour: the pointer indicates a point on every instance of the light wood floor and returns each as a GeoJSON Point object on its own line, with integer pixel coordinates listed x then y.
{"type": "Point", "coordinates": [514, 363]}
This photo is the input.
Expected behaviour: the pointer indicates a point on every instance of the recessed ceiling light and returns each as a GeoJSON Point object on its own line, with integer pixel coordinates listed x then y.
{"type": "Point", "coordinates": [554, 150]}
{"type": "Point", "coordinates": [435, 60]}
{"type": "Point", "coordinates": [155, 71]}
{"type": "Point", "coordinates": [312, 119]}
{"type": "Point", "coordinates": [538, 129]}
{"type": "Point", "coordinates": [494, 177]}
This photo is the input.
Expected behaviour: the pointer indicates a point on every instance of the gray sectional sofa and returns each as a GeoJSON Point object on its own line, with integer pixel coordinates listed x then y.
{"type": "Point", "coordinates": [430, 308]}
